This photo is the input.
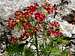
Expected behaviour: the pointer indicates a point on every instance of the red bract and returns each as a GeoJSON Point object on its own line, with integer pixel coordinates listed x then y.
{"type": "Point", "coordinates": [36, 5]}
{"type": "Point", "coordinates": [26, 14]}
{"type": "Point", "coordinates": [30, 10]}
{"type": "Point", "coordinates": [54, 23]}
{"type": "Point", "coordinates": [25, 35]}
{"type": "Point", "coordinates": [12, 39]}
{"type": "Point", "coordinates": [11, 23]}
{"type": "Point", "coordinates": [18, 13]}
{"type": "Point", "coordinates": [49, 8]}
{"type": "Point", "coordinates": [54, 33]}
{"type": "Point", "coordinates": [27, 26]}
{"type": "Point", "coordinates": [39, 16]}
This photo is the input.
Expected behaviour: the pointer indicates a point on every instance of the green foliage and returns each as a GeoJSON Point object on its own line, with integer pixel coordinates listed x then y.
{"type": "Point", "coordinates": [28, 52]}
{"type": "Point", "coordinates": [50, 50]}
{"type": "Point", "coordinates": [53, 49]}
{"type": "Point", "coordinates": [18, 26]}
{"type": "Point", "coordinates": [19, 50]}
{"type": "Point", "coordinates": [60, 40]}
{"type": "Point", "coordinates": [15, 49]}
{"type": "Point", "coordinates": [32, 21]}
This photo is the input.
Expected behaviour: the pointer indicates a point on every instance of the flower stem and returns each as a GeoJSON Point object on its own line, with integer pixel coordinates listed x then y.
{"type": "Point", "coordinates": [36, 44]}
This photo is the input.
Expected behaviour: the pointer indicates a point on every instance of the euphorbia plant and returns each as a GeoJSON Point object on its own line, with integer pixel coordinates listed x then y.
{"type": "Point", "coordinates": [33, 23]}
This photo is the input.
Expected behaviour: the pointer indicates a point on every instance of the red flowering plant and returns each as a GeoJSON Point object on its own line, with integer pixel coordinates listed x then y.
{"type": "Point", "coordinates": [31, 23]}
{"type": "Point", "coordinates": [54, 29]}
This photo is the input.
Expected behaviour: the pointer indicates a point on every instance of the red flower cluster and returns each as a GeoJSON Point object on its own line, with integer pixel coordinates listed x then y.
{"type": "Point", "coordinates": [54, 33]}
{"type": "Point", "coordinates": [22, 15]}
{"type": "Point", "coordinates": [39, 16]}
{"type": "Point", "coordinates": [22, 18]}
{"type": "Point", "coordinates": [12, 39]}
{"type": "Point", "coordinates": [25, 35]}
{"type": "Point", "coordinates": [11, 23]}
{"type": "Point", "coordinates": [49, 8]}
{"type": "Point", "coordinates": [28, 31]}
{"type": "Point", "coordinates": [27, 26]}
{"type": "Point", "coordinates": [54, 24]}
{"type": "Point", "coordinates": [18, 14]}
{"type": "Point", "coordinates": [29, 10]}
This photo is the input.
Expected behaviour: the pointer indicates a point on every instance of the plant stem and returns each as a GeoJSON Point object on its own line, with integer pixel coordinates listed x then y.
{"type": "Point", "coordinates": [36, 44]}
{"type": "Point", "coordinates": [69, 52]}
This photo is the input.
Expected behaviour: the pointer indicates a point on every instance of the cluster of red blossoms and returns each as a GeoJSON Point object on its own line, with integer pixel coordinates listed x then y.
{"type": "Point", "coordinates": [54, 29]}
{"type": "Point", "coordinates": [54, 24]}
{"type": "Point", "coordinates": [13, 39]}
{"type": "Point", "coordinates": [39, 16]}
{"type": "Point", "coordinates": [54, 33]}
{"type": "Point", "coordinates": [23, 17]}
{"type": "Point", "coordinates": [49, 8]}
{"type": "Point", "coordinates": [26, 12]}
{"type": "Point", "coordinates": [11, 23]}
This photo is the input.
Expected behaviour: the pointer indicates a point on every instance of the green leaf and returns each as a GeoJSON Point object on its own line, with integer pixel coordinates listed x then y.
{"type": "Point", "coordinates": [13, 49]}
{"type": "Point", "coordinates": [28, 52]}
{"type": "Point", "coordinates": [18, 26]}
